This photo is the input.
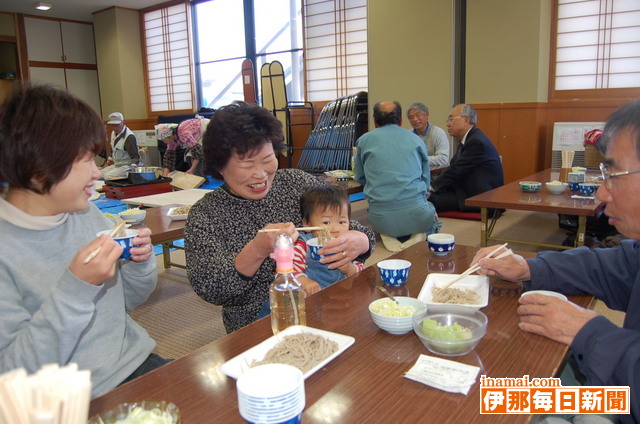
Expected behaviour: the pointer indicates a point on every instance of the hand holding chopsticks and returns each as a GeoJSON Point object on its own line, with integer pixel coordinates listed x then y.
{"type": "Point", "coordinates": [119, 224]}
{"type": "Point", "coordinates": [474, 267]}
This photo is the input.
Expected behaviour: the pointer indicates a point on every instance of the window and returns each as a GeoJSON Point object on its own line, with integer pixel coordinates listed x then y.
{"type": "Point", "coordinates": [335, 48]}
{"type": "Point", "coordinates": [166, 41]}
{"type": "Point", "coordinates": [596, 49]}
{"type": "Point", "coordinates": [228, 31]}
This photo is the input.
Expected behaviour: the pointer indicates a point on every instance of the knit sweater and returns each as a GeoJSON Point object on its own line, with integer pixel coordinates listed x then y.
{"type": "Point", "coordinates": [51, 316]}
{"type": "Point", "coordinates": [220, 225]}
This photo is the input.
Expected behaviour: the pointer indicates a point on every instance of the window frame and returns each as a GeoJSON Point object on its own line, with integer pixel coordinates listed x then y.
{"type": "Point", "coordinates": [194, 103]}
{"type": "Point", "coordinates": [579, 94]}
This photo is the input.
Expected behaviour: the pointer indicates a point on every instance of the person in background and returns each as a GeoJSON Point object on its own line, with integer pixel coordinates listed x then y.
{"type": "Point", "coordinates": [56, 306]}
{"type": "Point", "coordinates": [322, 206]}
{"type": "Point", "coordinates": [124, 149]}
{"type": "Point", "coordinates": [434, 137]}
{"type": "Point", "coordinates": [187, 135]}
{"type": "Point", "coordinates": [228, 260]}
{"type": "Point", "coordinates": [474, 169]}
{"type": "Point", "coordinates": [393, 165]}
{"type": "Point", "coordinates": [604, 353]}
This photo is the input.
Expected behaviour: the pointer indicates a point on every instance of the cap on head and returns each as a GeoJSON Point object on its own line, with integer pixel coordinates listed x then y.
{"type": "Point", "coordinates": [115, 118]}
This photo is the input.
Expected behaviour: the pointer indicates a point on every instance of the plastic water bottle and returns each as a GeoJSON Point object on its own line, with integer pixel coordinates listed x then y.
{"type": "Point", "coordinates": [286, 295]}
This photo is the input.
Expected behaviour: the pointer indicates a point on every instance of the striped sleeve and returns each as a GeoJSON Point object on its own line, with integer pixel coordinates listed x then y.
{"type": "Point", "coordinates": [299, 257]}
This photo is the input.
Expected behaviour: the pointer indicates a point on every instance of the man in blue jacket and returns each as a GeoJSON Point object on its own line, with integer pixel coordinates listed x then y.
{"type": "Point", "coordinates": [474, 169]}
{"type": "Point", "coordinates": [606, 354]}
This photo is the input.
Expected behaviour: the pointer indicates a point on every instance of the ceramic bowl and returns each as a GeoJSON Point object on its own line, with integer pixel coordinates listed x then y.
{"type": "Point", "coordinates": [121, 412]}
{"type": "Point", "coordinates": [450, 333]}
{"type": "Point", "coordinates": [530, 186]}
{"type": "Point", "coordinates": [125, 242]}
{"type": "Point", "coordinates": [587, 189]}
{"type": "Point", "coordinates": [394, 272]}
{"type": "Point", "coordinates": [574, 186]}
{"type": "Point", "coordinates": [133, 216]}
{"type": "Point", "coordinates": [441, 243]}
{"type": "Point", "coordinates": [546, 293]}
{"type": "Point", "coordinates": [556, 187]}
{"type": "Point", "coordinates": [392, 318]}
{"type": "Point", "coordinates": [314, 246]}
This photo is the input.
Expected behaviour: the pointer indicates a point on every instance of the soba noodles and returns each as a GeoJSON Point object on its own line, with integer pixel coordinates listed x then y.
{"type": "Point", "coordinates": [303, 350]}
{"type": "Point", "coordinates": [454, 296]}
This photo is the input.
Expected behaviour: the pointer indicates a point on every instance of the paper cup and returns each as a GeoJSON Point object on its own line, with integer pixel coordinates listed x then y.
{"type": "Point", "coordinates": [271, 394]}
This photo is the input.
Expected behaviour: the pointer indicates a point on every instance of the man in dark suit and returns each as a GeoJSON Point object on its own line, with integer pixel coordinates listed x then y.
{"type": "Point", "coordinates": [474, 169]}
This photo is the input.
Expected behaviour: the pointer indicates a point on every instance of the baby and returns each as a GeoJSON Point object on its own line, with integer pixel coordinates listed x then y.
{"type": "Point", "coordinates": [326, 206]}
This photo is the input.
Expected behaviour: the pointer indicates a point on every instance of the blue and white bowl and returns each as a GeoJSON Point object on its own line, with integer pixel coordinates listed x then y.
{"type": "Point", "coordinates": [124, 242]}
{"type": "Point", "coordinates": [587, 189]}
{"type": "Point", "coordinates": [440, 243]}
{"type": "Point", "coordinates": [394, 272]}
{"type": "Point", "coordinates": [314, 246]}
{"type": "Point", "coordinates": [574, 186]}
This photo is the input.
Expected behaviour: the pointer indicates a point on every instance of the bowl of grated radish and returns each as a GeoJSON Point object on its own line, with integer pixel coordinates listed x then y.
{"type": "Point", "coordinates": [392, 317]}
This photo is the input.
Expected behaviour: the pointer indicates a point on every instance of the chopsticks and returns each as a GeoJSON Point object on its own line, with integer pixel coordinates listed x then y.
{"type": "Point", "coordinates": [113, 232]}
{"type": "Point", "coordinates": [271, 230]}
{"type": "Point", "coordinates": [474, 267]}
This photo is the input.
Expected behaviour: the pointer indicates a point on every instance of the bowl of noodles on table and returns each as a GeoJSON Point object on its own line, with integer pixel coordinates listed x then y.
{"type": "Point", "coordinates": [306, 348]}
{"type": "Point", "coordinates": [471, 292]}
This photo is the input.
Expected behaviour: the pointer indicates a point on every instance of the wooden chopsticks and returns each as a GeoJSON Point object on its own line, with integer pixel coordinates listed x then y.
{"type": "Point", "coordinates": [474, 267]}
{"type": "Point", "coordinates": [271, 230]}
{"type": "Point", "coordinates": [113, 232]}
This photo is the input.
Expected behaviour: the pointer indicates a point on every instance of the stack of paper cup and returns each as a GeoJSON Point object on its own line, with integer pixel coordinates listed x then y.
{"type": "Point", "coordinates": [271, 394]}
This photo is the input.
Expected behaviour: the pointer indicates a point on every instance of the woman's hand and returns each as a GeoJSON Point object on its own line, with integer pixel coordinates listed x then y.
{"type": "Point", "coordinates": [102, 266]}
{"type": "Point", "coordinates": [548, 316]}
{"type": "Point", "coordinates": [258, 249]}
{"type": "Point", "coordinates": [512, 267]}
{"type": "Point", "coordinates": [141, 249]}
{"type": "Point", "coordinates": [344, 249]}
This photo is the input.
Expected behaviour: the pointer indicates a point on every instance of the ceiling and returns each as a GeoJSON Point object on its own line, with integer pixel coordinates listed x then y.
{"type": "Point", "coordinates": [78, 10]}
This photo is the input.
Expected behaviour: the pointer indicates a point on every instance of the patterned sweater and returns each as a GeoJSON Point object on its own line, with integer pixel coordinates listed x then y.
{"type": "Point", "coordinates": [221, 224]}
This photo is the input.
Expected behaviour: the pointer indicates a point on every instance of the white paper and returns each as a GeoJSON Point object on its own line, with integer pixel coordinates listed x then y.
{"type": "Point", "coordinates": [443, 374]}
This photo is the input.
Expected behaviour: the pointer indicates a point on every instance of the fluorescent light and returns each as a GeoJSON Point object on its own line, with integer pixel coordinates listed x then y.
{"type": "Point", "coordinates": [43, 6]}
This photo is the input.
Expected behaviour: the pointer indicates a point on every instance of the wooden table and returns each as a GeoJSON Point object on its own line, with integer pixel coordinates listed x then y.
{"type": "Point", "coordinates": [178, 197]}
{"type": "Point", "coordinates": [351, 185]}
{"type": "Point", "coordinates": [365, 384]}
{"type": "Point", "coordinates": [164, 231]}
{"type": "Point", "coordinates": [510, 196]}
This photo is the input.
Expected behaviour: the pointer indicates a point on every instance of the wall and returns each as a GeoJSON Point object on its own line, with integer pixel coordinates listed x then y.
{"type": "Point", "coordinates": [409, 55]}
{"type": "Point", "coordinates": [507, 51]}
{"type": "Point", "coordinates": [120, 70]}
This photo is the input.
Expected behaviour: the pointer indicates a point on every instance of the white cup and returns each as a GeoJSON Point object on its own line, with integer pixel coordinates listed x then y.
{"type": "Point", "coordinates": [272, 393]}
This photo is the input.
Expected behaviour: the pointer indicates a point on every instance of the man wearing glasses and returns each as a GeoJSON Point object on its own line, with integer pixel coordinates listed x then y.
{"type": "Point", "coordinates": [606, 354]}
{"type": "Point", "coordinates": [474, 169]}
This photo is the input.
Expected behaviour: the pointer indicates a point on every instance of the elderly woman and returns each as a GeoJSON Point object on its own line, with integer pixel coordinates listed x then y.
{"type": "Point", "coordinates": [228, 260]}
{"type": "Point", "coordinates": [186, 135]}
{"type": "Point", "coordinates": [57, 305]}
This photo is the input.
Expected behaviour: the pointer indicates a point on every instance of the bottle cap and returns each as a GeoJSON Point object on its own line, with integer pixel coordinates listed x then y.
{"type": "Point", "coordinates": [283, 253]}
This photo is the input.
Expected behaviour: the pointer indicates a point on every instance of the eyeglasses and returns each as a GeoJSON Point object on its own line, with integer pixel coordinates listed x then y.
{"type": "Point", "coordinates": [607, 176]}
{"type": "Point", "coordinates": [451, 118]}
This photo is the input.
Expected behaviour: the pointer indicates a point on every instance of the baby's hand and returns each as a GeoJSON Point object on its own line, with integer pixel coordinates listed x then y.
{"type": "Point", "coordinates": [308, 285]}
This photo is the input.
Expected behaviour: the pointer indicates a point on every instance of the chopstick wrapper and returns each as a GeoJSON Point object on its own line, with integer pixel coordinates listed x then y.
{"type": "Point", "coordinates": [53, 395]}
{"type": "Point", "coordinates": [450, 376]}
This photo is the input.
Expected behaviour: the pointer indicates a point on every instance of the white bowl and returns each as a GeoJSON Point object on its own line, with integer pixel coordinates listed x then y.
{"type": "Point", "coordinates": [478, 283]}
{"type": "Point", "coordinates": [555, 187]}
{"type": "Point", "coordinates": [395, 325]}
{"type": "Point", "coordinates": [173, 217]}
{"type": "Point", "coordinates": [136, 215]}
{"type": "Point", "coordinates": [545, 293]}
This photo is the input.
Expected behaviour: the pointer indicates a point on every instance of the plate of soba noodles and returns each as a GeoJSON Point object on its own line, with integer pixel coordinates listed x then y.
{"type": "Point", "coordinates": [472, 291]}
{"type": "Point", "coordinates": [307, 348]}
